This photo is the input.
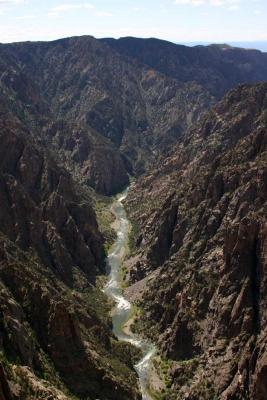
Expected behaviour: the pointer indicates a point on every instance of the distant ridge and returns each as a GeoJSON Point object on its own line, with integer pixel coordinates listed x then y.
{"type": "Point", "coordinates": [261, 45]}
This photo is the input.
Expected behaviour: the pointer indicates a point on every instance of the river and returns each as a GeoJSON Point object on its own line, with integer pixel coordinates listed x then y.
{"type": "Point", "coordinates": [123, 310]}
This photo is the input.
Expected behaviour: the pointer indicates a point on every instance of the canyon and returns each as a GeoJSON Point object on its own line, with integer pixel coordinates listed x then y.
{"type": "Point", "coordinates": [79, 119]}
{"type": "Point", "coordinates": [200, 234]}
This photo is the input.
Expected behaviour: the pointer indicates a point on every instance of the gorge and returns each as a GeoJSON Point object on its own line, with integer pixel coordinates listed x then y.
{"type": "Point", "coordinates": [81, 118]}
{"type": "Point", "coordinates": [123, 311]}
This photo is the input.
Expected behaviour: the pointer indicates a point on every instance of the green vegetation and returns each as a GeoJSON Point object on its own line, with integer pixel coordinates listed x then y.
{"type": "Point", "coordinates": [96, 300]}
{"type": "Point", "coordinates": [105, 218]}
{"type": "Point", "coordinates": [158, 395]}
{"type": "Point", "coordinates": [123, 276]}
{"type": "Point", "coordinates": [163, 367]}
{"type": "Point", "coordinates": [137, 323]}
{"type": "Point", "coordinates": [133, 234]}
{"type": "Point", "coordinates": [205, 390]}
{"type": "Point", "coordinates": [126, 352]}
{"type": "Point", "coordinates": [186, 371]}
{"type": "Point", "coordinates": [49, 378]}
{"type": "Point", "coordinates": [142, 325]}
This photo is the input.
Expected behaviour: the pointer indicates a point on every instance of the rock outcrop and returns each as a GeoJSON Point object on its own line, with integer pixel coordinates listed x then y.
{"type": "Point", "coordinates": [216, 68]}
{"type": "Point", "coordinates": [79, 115]}
{"type": "Point", "coordinates": [56, 338]}
{"type": "Point", "coordinates": [200, 215]}
{"type": "Point", "coordinates": [109, 108]}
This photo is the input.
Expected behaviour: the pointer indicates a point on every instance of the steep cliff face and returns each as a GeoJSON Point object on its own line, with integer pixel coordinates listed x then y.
{"type": "Point", "coordinates": [201, 222]}
{"type": "Point", "coordinates": [40, 209]}
{"type": "Point", "coordinates": [80, 113]}
{"type": "Point", "coordinates": [215, 68]}
{"type": "Point", "coordinates": [56, 337]}
{"type": "Point", "coordinates": [110, 107]}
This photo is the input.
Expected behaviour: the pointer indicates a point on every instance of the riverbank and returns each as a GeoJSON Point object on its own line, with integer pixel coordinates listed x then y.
{"type": "Point", "coordinates": [123, 314]}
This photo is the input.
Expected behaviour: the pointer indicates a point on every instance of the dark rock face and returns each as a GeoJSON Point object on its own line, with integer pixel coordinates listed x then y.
{"type": "Point", "coordinates": [53, 320]}
{"type": "Point", "coordinates": [82, 112]}
{"type": "Point", "coordinates": [40, 209]}
{"type": "Point", "coordinates": [207, 201]}
{"type": "Point", "coordinates": [215, 68]}
{"type": "Point", "coordinates": [5, 393]}
{"type": "Point", "coordinates": [110, 107]}
{"type": "Point", "coordinates": [98, 165]}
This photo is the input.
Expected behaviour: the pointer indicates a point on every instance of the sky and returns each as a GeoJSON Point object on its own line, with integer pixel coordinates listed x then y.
{"type": "Point", "coordinates": [175, 20]}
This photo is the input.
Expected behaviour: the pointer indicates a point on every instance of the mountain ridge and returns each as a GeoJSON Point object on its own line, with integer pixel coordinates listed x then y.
{"type": "Point", "coordinates": [113, 103]}
{"type": "Point", "coordinates": [77, 117]}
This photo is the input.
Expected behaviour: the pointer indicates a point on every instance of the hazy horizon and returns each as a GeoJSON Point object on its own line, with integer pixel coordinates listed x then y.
{"type": "Point", "coordinates": [256, 45]}
{"type": "Point", "coordinates": [179, 21]}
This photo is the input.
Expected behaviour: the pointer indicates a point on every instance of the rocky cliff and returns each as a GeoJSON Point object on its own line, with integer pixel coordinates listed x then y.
{"type": "Point", "coordinates": [200, 225]}
{"type": "Point", "coordinates": [108, 107]}
{"type": "Point", "coordinates": [216, 68]}
{"type": "Point", "coordinates": [55, 332]}
{"type": "Point", "coordinates": [80, 114]}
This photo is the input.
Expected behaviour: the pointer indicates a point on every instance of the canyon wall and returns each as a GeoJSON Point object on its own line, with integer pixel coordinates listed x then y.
{"type": "Point", "coordinates": [199, 221]}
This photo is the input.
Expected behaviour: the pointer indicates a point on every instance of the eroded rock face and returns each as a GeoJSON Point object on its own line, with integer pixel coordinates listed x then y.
{"type": "Point", "coordinates": [208, 301]}
{"type": "Point", "coordinates": [40, 209]}
{"type": "Point", "coordinates": [108, 108]}
{"type": "Point", "coordinates": [102, 113]}
{"type": "Point", "coordinates": [95, 162]}
{"type": "Point", "coordinates": [54, 322]}
{"type": "Point", "coordinates": [226, 66]}
{"type": "Point", "coordinates": [95, 109]}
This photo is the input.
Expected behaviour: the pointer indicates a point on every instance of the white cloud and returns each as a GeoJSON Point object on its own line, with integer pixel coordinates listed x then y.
{"type": "Point", "coordinates": [7, 3]}
{"type": "Point", "coordinates": [103, 14]}
{"type": "Point", "coordinates": [233, 8]}
{"type": "Point", "coordinates": [189, 2]}
{"type": "Point", "coordinates": [143, 9]}
{"type": "Point", "coordinates": [62, 8]}
{"type": "Point", "coordinates": [24, 17]}
{"type": "Point", "coordinates": [69, 7]}
{"type": "Point", "coordinates": [215, 3]}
